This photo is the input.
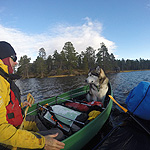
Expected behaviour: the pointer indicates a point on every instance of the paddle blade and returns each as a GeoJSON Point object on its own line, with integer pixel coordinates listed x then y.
{"type": "Point", "coordinates": [30, 99]}
{"type": "Point", "coordinates": [124, 109]}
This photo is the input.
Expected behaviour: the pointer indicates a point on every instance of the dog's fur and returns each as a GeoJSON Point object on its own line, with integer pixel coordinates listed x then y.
{"type": "Point", "coordinates": [98, 83]}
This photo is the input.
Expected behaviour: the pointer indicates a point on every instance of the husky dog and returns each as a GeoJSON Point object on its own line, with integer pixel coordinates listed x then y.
{"type": "Point", "coordinates": [98, 85]}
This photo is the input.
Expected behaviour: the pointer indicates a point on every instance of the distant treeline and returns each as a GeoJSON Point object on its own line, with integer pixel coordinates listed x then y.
{"type": "Point", "coordinates": [68, 62]}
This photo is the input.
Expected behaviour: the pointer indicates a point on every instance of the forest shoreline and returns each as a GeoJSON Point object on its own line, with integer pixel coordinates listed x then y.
{"type": "Point", "coordinates": [76, 73]}
{"type": "Point", "coordinates": [107, 72]}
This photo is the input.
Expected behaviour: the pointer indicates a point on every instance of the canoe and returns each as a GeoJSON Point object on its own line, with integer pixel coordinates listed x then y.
{"type": "Point", "coordinates": [80, 138]}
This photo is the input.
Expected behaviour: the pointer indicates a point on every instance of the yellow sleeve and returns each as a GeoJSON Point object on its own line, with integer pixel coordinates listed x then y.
{"type": "Point", "coordinates": [10, 135]}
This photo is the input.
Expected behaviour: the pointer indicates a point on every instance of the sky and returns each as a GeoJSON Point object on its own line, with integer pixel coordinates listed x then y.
{"type": "Point", "coordinates": [122, 25]}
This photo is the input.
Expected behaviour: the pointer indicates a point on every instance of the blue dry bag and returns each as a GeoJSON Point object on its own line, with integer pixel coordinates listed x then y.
{"type": "Point", "coordinates": [138, 100]}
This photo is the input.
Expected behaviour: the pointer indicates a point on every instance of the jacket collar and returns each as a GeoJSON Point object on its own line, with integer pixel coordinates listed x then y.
{"type": "Point", "coordinates": [3, 66]}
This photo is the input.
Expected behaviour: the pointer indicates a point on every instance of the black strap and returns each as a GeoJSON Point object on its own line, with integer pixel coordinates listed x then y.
{"type": "Point", "coordinates": [9, 76]}
{"type": "Point", "coordinates": [4, 74]}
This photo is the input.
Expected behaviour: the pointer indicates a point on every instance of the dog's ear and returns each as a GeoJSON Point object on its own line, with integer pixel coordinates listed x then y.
{"type": "Point", "coordinates": [89, 70]}
{"type": "Point", "coordinates": [102, 74]}
{"type": "Point", "coordinates": [98, 69]}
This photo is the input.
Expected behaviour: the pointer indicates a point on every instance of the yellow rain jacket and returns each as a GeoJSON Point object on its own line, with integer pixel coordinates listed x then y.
{"type": "Point", "coordinates": [9, 134]}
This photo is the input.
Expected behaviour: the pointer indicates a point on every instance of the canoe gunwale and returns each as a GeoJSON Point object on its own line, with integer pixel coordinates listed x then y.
{"type": "Point", "coordinates": [55, 99]}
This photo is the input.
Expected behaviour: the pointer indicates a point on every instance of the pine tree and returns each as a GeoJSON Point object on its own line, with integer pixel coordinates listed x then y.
{"type": "Point", "coordinates": [24, 63]}
{"type": "Point", "coordinates": [90, 54]}
{"type": "Point", "coordinates": [103, 57]}
{"type": "Point", "coordinates": [70, 55]}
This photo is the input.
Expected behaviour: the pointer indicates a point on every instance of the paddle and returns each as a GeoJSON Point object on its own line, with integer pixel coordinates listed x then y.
{"type": "Point", "coordinates": [31, 100]}
{"type": "Point", "coordinates": [126, 111]}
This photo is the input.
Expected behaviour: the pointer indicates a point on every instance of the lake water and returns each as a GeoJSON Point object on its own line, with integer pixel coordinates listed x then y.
{"type": "Point", "coordinates": [122, 84]}
{"type": "Point", "coordinates": [48, 87]}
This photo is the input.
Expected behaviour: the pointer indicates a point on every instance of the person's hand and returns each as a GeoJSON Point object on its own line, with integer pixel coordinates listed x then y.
{"type": "Point", "coordinates": [53, 144]}
{"type": "Point", "coordinates": [26, 103]}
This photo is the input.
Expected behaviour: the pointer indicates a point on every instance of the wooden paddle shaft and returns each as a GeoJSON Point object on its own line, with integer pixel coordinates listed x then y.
{"type": "Point", "coordinates": [31, 100]}
{"type": "Point", "coordinates": [21, 126]}
{"type": "Point", "coordinates": [124, 109]}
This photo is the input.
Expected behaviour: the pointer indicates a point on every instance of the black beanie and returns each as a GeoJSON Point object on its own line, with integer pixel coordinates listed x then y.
{"type": "Point", "coordinates": [6, 50]}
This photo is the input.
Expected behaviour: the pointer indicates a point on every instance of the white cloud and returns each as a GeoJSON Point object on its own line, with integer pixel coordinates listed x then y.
{"type": "Point", "coordinates": [88, 34]}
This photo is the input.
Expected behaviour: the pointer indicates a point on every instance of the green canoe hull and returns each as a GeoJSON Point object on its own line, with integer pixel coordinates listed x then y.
{"type": "Point", "coordinates": [83, 136]}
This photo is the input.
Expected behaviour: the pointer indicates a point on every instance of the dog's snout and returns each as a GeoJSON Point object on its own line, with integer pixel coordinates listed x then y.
{"type": "Point", "coordinates": [85, 80]}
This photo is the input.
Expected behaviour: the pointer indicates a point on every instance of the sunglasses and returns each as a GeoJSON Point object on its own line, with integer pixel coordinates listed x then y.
{"type": "Point", "coordinates": [14, 58]}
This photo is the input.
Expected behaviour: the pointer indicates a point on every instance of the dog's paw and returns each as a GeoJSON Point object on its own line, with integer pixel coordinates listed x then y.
{"type": "Point", "coordinates": [88, 97]}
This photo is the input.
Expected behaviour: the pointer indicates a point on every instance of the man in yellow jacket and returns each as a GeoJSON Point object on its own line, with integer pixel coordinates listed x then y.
{"type": "Point", "coordinates": [10, 110]}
